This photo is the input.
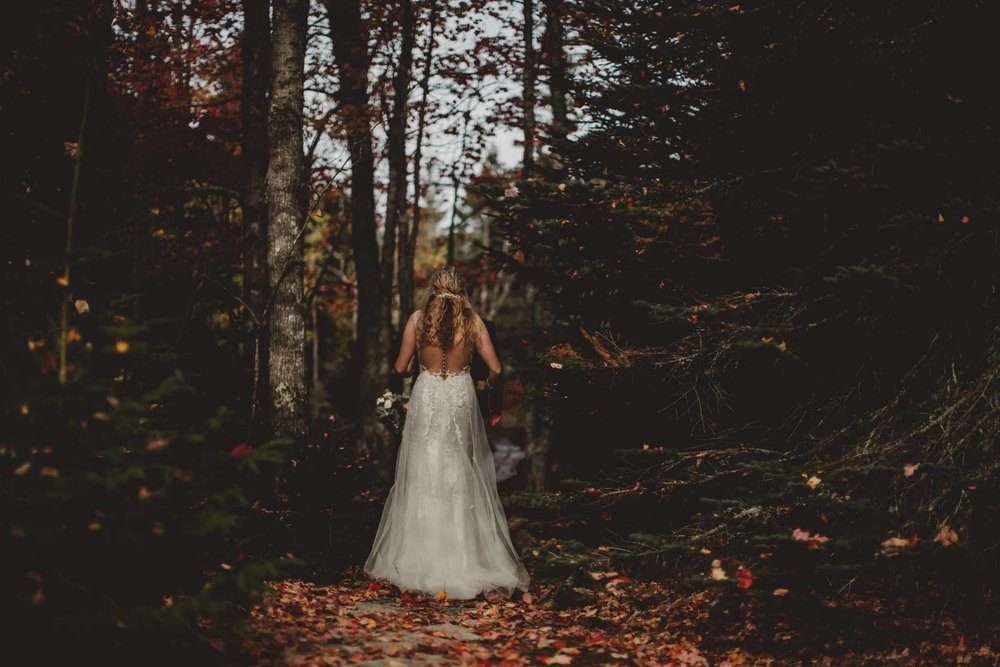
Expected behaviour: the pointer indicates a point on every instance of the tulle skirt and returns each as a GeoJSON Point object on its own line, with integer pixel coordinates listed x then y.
{"type": "Point", "coordinates": [443, 527]}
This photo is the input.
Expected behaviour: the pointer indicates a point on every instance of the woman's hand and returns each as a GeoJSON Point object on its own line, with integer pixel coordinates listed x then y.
{"type": "Point", "coordinates": [481, 385]}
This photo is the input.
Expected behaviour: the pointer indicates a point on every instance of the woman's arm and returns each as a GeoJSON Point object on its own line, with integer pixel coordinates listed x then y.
{"type": "Point", "coordinates": [484, 345]}
{"type": "Point", "coordinates": [408, 346]}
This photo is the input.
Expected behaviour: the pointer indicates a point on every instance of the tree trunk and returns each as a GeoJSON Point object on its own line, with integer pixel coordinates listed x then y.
{"type": "Point", "coordinates": [74, 200]}
{"type": "Point", "coordinates": [408, 232]}
{"type": "Point", "coordinates": [286, 195]}
{"type": "Point", "coordinates": [396, 192]}
{"type": "Point", "coordinates": [537, 450]}
{"type": "Point", "coordinates": [455, 182]}
{"type": "Point", "coordinates": [253, 107]}
{"type": "Point", "coordinates": [528, 82]}
{"type": "Point", "coordinates": [556, 61]}
{"type": "Point", "coordinates": [350, 49]}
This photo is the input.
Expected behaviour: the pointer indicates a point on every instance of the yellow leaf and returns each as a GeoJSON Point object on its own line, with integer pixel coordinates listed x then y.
{"type": "Point", "coordinates": [63, 280]}
{"type": "Point", "coordinates": [122, 346]}
{"type": "Point", "coordinates": [813, 482]}
{"type": "Point", "coordinates": [441, 597]}
{"type": "Point", "coordinates": [23, 468]}
{"type": "Point", "coordinates": [81, 306]}
{"type": "Point", "coordinates": [780, 592]}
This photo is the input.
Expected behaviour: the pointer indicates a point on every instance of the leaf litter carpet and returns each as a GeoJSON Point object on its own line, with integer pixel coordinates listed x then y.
{"type": "Point", "coordinates": [621, 622]}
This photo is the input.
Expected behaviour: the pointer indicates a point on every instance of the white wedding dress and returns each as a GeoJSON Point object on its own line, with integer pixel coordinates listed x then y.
{"type": "Point", "coordinates": [443, 527]}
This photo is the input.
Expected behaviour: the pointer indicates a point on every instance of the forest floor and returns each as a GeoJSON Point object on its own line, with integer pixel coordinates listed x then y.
{"type": "Point", "coordinates": [620, 622]}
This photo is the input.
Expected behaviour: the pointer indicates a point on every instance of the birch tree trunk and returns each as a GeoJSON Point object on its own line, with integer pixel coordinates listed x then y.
{"type": "Point", "coordinates": [256, 48]}
{"type": "Point", "coordinates": [285, 192]}
{"type": "Point", "coordinates": [350, 50]}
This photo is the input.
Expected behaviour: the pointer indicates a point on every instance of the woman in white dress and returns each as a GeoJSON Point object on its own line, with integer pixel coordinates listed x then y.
{"type": "Point", "coordinates": [443, 527]}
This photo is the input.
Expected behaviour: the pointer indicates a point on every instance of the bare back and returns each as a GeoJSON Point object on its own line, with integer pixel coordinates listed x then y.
{"type": "Point", "coordinates": [455, 360]}
{"type": "Point", "coordinates": [434, 359]}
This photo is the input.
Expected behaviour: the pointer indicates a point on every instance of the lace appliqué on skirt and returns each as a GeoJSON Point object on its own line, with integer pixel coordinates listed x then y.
{"type": "Point", "coordinates": [443, 527]}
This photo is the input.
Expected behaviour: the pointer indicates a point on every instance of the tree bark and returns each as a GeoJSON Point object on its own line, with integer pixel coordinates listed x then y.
{"type": "Point", "coordinates": [455, 182]}
{"type": "Point", "coordinates": [74, 200]}
{"type": "Point", "coordinates": [408, 229]}
{"type": "Point", "coordinates": [528, 95]}
{"type": "Point", "coordinates": [350, 49]}
{"type": "Point", "coordinates": [556, 61]}
{"type": "Point", "coordinates": [396, 192]}
{"type": "Point", "coordinates": [256, 48]}
{"type": "Point", "coordinates": [537, 450]}
{"type": "Point", "coordinates": [286, 204]}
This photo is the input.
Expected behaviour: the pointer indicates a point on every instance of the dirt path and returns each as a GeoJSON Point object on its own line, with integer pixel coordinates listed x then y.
{"type": "Point", "coordinates": [617, 621]}
{"type": "Point", "coordinates": [356, 622]}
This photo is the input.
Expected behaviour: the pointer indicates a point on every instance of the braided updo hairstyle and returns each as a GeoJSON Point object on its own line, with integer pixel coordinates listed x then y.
{"type": "Point", "coordinates": [447, 318]}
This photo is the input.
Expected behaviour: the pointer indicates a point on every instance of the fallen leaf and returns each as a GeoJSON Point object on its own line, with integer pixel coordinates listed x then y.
{"type": "Point", "coordinates": [946, 536]}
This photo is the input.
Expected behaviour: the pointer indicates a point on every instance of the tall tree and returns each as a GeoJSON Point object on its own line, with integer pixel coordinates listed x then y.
{"type": "Point", "coordinates": [408, 233]}
{"type": "Point", "coordinates": [396, 193]}
{"type": "Point", "coordinates": [555, 59]}
{"type": "Point", "coordinates": [286, 204]}
{"type": "Point", "coordinates": [256, 53]}
{"type": "Point", "coordinates": [528, 83]}
{"type": "Point", "coordinates": [456, 180]}
{"type": "Point", "coordinates": [537, 449]}
{"type": "Point", "coordinates": [350, 49]}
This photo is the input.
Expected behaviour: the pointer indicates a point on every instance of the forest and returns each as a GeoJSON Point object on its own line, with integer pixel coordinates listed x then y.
{"type": "Point", "coordinates": [743, 264]}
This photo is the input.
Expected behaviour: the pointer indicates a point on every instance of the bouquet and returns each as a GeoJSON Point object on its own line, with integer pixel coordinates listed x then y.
{"type": "Point", "coordinates": [391, 410]}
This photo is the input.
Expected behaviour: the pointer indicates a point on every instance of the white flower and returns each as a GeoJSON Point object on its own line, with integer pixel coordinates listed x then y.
{"type": "Point", "coordinates": [511, 192]}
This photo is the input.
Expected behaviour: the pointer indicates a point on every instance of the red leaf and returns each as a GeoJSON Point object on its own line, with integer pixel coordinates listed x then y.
{"type": "Point", "coordinates": [241, 449]}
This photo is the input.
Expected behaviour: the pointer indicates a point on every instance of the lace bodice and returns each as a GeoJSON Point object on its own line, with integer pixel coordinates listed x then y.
{"type": "Point", "coordinates": [445, 372]}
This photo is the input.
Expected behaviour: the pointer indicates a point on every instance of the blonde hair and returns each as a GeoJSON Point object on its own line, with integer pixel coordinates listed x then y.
{"type": "Point", "coordinates": [447, 318]}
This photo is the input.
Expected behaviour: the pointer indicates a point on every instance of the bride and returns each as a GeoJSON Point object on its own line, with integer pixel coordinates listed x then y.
{"type": "Point", "coordinates": [443, 527]}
